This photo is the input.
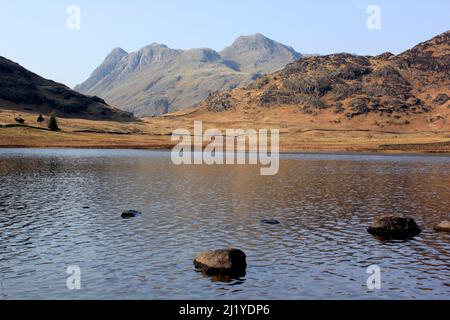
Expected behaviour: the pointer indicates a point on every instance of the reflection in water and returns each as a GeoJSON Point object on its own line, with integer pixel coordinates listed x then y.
{"type": "Point", "coordinates": [225, 279]}
{"type": "Point", "coordinates": [62, 207]}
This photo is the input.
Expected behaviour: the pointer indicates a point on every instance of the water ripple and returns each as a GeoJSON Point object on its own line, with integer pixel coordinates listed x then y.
{"type": "Point", "coordinates": [62, 207]}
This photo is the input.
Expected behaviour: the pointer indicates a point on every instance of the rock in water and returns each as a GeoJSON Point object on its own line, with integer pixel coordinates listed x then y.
{"type": "Point", "coordinates": [443, 226]}
{"type": "Point", "coordinates": [270, 221]}
{"type": "Point", "coordinates": [130, 214]}
{"type": "Point", "coordinates": [230, 262]}
{"type": "Point", "coordinates": [394, 227]}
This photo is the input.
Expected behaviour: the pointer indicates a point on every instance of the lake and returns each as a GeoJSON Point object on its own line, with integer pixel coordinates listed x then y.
{"type": "Point", "coordinates": [61, 208]}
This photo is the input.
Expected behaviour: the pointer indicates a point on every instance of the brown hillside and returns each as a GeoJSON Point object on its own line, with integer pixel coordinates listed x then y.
{"type": "Point", "coordinates": [404, 93]}
{"type": "Point", "coordinates": [22, 90]}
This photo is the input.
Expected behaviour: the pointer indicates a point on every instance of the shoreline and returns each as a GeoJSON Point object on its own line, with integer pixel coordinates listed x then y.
{"type": "Point", "coordinates": [354, 151]}
{"type": "Point", "coordinates": [155, 134]}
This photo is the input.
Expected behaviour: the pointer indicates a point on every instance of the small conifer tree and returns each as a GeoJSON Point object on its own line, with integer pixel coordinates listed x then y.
{"type": "Point", "coordinates": [52, 123]}
{"type": "Point", "coordinates": [40, 119]}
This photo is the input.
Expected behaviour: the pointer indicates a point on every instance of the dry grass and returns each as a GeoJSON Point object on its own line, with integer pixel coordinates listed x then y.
{"type": "Point", "coordinates": [297, 133]}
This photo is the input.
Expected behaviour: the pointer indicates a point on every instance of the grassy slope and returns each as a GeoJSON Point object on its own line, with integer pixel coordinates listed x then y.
{"type": "Point", "coordinates": [154, 133]}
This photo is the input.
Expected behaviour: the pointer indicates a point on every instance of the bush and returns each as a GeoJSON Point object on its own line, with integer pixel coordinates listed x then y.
{"type": "Point", "coordinates": [52, 123]}
{"type": "Point", "coordinates": [19, 120]}
{"type": "Point", "coordinates": [40, 119]}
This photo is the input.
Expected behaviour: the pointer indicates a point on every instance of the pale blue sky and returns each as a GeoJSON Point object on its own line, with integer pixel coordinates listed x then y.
{"type": "Point", "coordinates": [34, 33]}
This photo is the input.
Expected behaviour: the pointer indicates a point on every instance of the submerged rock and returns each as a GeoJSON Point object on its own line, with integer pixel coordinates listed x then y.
{"type": "Point", "coordinates": [394, 227]}
{"type": "Point", "coordinates": [270, 221]}
{"type": "Point", "coordinates": [230, 262]}
{"type": "Point", "coordinates": [443, 226]}
{"type": "Point", "coordinates": [130, 214]}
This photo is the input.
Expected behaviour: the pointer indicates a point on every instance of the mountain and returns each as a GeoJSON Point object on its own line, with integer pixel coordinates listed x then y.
{"type": "Point", "coordinates": [104, 69]}
{"type": "Point", "coordinates": [23, 90]}
{"type": "Point", "coordinates": [405, 92]}
{"type": "Point", "coordinates": [258, 54]}
{"type": "Point", "coordinates": [157, 79]}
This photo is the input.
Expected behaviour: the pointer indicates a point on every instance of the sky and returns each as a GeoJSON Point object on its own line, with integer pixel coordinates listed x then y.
{"type": "Point", "coordinates": [36, 35]}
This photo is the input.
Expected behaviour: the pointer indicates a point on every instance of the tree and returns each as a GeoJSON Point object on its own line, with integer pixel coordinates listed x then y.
{"type": "Point", "coordinates": [52, 123]}
{"type": "Point", "coordinates": [40, 119]}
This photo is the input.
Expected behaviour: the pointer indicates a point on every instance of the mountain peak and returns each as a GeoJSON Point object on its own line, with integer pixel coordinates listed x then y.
{"type": "Point", "coordinates": [154, 53]}
{"type": "Point", "coordinates": [157, 78]}
{"type": "Point", "coordinates": [155, 46]}
{"type": "Point", "coordinates": [258, 36]}
{"type": "Point", "coordinates": [253, 53]}
{"type": "Point", "coordinates": [115, 56]}
{"type": "Point", "coordinates": [431, 55]}
{"type": "Point", "coordinates": [201, 55]}
{"type": "Point", "coordinates": [109, 64]}
{"type": "Point", "coordinates": [251, 41]}
{"type": "Point", "coordinates": [118, 52]}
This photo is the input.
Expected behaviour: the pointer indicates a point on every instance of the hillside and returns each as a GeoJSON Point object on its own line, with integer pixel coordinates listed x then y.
{"type": "Point", "coordinates": [406, 93]}
{"type": "Point", "coordinates": [157, 79]}
{"type": "Point", "coordinates": [22, 90]}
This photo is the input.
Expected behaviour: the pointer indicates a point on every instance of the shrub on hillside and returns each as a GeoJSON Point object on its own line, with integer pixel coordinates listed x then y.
{"type": "Point", "coordinates": [53, 123]}
{"type": "Point", "coordinates": [40, 119]}
{"type": "Point", "coordinates": [19, 120]}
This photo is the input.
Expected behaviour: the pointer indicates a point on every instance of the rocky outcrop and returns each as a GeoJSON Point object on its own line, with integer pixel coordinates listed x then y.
{"type": "Point", "coordinates": [444, 226]}
{"type": "Point", "coordinates": [424, 57]}
{"type": "Point", "coordinates": [219, 102]}
{"type": "Point", "coordinates": [130, 214]}
{"type": "Point", "coordinates": [387, 90]}
{"type": "Point", "coordinates": [270, 221]}
{"type": "Point", "coordinates": [394, 227]}
{"type": "Point", "coordinates": [441, 99]}
{"type": "Point", "coordinates": [356, 82]}
{"type": "Point", "coordinates": [230, 262]}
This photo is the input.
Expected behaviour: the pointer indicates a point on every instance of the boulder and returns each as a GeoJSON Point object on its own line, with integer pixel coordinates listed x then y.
{"type": "Point", "coordinates": [229, 262]}
{"type": "Point", "coordinates": [394, 227]}
{"type": "Point", "coordinates": [130, 214]}
{"type": "Point", "coordinates": [270, 221]}
{"type": "Point", "coordinates": [443, 226]}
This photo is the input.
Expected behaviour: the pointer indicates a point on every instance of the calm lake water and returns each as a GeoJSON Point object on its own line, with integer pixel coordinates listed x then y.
{"type": "Point", "coordinates": [62, 207]}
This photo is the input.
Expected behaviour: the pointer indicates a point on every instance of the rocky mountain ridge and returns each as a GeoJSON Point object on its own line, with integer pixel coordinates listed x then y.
{"type": "Point", "coordinates": [158, 79]}
{"type": "Point", "coordinates": [384, 90]}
